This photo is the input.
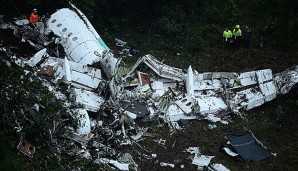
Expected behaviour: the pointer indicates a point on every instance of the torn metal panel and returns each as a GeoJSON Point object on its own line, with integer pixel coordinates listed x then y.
{"type": "Point", "coordinates": [80, 75]}
{"type": "Point", "coordinates": [77, 67]}
{"type": "Point", "coordinates": [37, 57]}
{"type": "Point", "coordinates": [109, 64]}
{"type": "Point", "coordinates": [174, 113]}
{"type": "Point", "coordinates": [268, 90]}
{"type": "Point", "coordinates": [88, 99]}
{"type": "Point", "coordinates": [246, 99]}
{"type": "Point", "coordinates": [84, 123]}
{"type": "Point", "coordinates": [246, 78]}
{"type": "Point", "coordinates": [21, 22]}
{"type": "Point", "coordinates": [230, 152]}
{"type": "Point", "coordinates": [26, 148]}
{"type": "Point", "coordinates": [158, 88]}
{"type": "Point", "coordinates": [209, 105]}
{"type": "Point", "coordinates": [205, 84]}
{"type": "Point", "coordinates": [264, 75]}
{"type": "Point", "coordinates": [159, 68]}
{"type": "Point", "coordinates": [286, 80]}
{"type": "Point", "coordinates": [186, 104]}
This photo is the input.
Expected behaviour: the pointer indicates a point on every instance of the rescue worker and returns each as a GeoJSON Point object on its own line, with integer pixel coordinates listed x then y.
{"type": "Point", "coordinates": [247, 37]}
{"type": "Point", "coordinates": [227, 35]}
{"type": "Point", "coordinates": [33, 18]}
{"type": "Point", "coordinates": [237, 33]}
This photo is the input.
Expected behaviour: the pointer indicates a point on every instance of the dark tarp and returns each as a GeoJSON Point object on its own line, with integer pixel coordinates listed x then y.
{"type": "Point", "coordinates": [248, 147]}
{"type": "Point", "coordinates": [138, 108]}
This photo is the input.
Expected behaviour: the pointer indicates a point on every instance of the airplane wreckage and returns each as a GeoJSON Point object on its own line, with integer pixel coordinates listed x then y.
{"type": "Point", "coordinates": [99, 85]}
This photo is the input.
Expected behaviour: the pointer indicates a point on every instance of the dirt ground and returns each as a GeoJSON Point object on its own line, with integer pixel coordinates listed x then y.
{"type": "Point", "coordinates": [279, 134]}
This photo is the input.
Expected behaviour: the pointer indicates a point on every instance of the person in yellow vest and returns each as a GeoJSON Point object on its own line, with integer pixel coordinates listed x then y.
{"type": "Point", "coordinates": [237, 33]}
{"type": "Point", "coordinates": [33, 18]}
{"type": "Point", "coordinates": [227, 35]}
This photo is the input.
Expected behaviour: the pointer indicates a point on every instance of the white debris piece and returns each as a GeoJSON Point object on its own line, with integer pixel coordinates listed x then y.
{"type": "Point", "coordinates": [230, 152]}
{"type": "Point", "coordinates": [88, 99]}
{"type": "Point", "coordinates": [246, 78]}
{"type": "Point", "coordinates": [109, 64]}
{"type": "Point", "coordinates": [193, 150]}
{"type": "Point", "coordinates": [264, 75]}
{"type": "Point", "coordinates": [159, 68]}
{"type": "Point", "coordinates": [202, 160]}
{"type": "Point", "coordinates": [185, 104]}
{"type": "Point", "coordinates": [81, 76]}
{"type": "Point", "coordinates": [58, 94]}
{"type": "Point", "coordinates": [167, 165]}
{"type": "Point", "coordinates": [130, 114]}
{"type": "Point", "coordinates": [37, 57]}
{"type": "Point", "coordinates": [89, 26]}
{"type": "Point", "coordinates": [213, 118]}
{"type": "Point", "coordinates": [268, 90]}
{"type": "Point", "coordinates": [211, 105]}
{"type": "Point", "coordinates": [284, 81]}
{"type": "Point", "coordinates": [22, 22]}
{"type": "Point", "coordinates": [247, 99]}
{"type": "Point", "coordinates": [120, 166]}
{"type": "Point", "coordinates": [36, 107]}
{"type": "Point", "coordinates": [84, 124]}
{"type": "Point", "coordinates": [219, 167]}
{"type": "Point", "coordinates": [140, 134]}
{"type": "Point", "coordinates": [158, 88]}
{"type": "Point", "coordinates": [119, 42]}
{"type": "Point", "coordinates": [66, 68]}
{"type": "Point", "coordinates": [174, 113]}
{"type": "Point", "coordinates": [199, 160]}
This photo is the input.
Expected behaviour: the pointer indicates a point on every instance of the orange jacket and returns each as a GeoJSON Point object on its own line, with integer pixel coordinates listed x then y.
{"type": "Point", "coordinates": [33, 18]}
